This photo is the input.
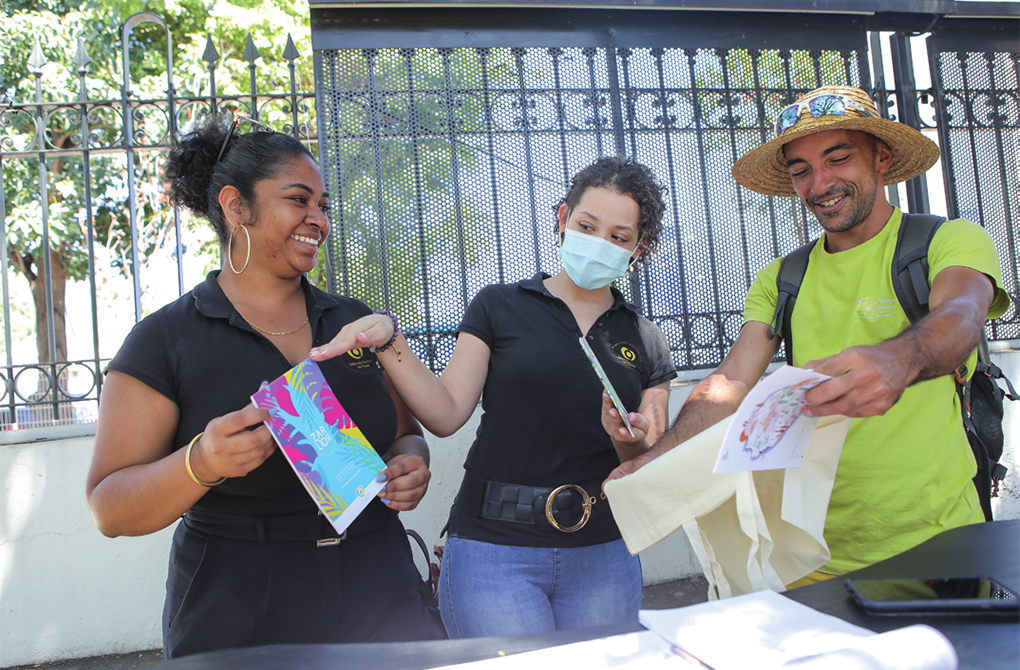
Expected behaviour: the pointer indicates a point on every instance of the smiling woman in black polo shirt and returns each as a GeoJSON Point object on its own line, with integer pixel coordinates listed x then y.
{"type": "Point", "coordinates": [252, 562]}
{"type": "Point", "coordinates": [533, 546]}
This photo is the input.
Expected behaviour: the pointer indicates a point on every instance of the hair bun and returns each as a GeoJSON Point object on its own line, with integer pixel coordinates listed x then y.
{"type": "Point", "coordinates": [189, 166]}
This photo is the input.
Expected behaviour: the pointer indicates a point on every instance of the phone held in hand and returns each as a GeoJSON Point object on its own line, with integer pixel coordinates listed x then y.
{"type": "Point", "coordinates": [933, 596]}
{"type": "Point", "coordinates": [606, 384]}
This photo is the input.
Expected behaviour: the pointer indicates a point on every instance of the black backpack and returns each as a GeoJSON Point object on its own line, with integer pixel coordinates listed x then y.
{"type": "Point", "coordinates": [981, 397]}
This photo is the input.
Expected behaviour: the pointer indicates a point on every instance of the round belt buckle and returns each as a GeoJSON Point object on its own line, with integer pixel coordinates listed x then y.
{"type": "Point", "coordinates": [586, 501]}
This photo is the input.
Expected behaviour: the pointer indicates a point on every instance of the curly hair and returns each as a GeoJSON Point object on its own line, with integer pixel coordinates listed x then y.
{"type": "Point", "coordinates": [194, 173]}
{"type": "Point", "coordinates": [627, 177]}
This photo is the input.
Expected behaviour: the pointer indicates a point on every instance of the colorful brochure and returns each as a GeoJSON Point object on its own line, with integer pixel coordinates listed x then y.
{"type": "Point", "coordinates": [321, 442]}
{"type": "Point", "coordinates": [769, 430]}
{"type": "Point", "coordinates": [607, 384]}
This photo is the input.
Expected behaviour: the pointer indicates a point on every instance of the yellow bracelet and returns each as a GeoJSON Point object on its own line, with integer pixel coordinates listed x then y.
{"type": "Point", "coordinates": [187, 464]}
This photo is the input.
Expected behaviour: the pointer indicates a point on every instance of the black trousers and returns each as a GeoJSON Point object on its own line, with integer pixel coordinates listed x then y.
{"type": "Point", "coordinates": [224, 593]}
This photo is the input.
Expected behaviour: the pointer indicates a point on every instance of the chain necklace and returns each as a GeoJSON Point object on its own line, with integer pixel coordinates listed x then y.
{"type": "Point", "coordinates": [269, 332]}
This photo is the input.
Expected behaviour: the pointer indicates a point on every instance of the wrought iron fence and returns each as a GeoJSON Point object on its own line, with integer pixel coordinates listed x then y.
{"type": "Point", "coordinates": [978, 97]}
{"type": "Point", "coordinates": [446, 162]}
{"type": "Point", "coordinates": [92, 165]}
{"type": "Point", "coordinates": [446, 159]}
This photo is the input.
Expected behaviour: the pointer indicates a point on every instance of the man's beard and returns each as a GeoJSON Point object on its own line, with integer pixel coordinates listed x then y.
{"type": "Point", "coordinates": [861, 205]}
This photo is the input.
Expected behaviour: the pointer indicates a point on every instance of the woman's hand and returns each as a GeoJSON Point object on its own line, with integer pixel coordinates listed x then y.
{"type": "Point", "coordinates": [138, 482]}
{"type": "Point", "coordinates": [407, 480]}
{"type": "Point", "coordinates": [374, 330]}
{"type": "Point", "coordinates": [229, 449]}
{"type": "Point", "coordinates": [614, 425]}
{"type": "Point", "coordinates": [648, 423]}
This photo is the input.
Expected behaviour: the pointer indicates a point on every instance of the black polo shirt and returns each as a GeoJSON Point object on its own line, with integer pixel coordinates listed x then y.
{"type": "Point", "coordinates": [542, 401]}
{"type": "Point", "coordinates": [200, 353]}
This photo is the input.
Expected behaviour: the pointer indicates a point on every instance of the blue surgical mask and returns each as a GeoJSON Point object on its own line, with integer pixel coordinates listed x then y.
{"type": "Point", "coordinates": [592, 262]}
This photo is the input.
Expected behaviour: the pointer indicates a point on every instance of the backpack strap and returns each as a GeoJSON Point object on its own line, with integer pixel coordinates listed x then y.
{"type": "Point", "coordinates": [910, 279]}
{"type": "Point", "coordinates": [910, 263]}
{"type": "Point", "coordinates": [788, 281]}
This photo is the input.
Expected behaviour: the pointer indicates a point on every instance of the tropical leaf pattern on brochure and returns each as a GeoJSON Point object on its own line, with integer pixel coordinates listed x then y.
{"type": "Point", "coordinates": [321, 441]}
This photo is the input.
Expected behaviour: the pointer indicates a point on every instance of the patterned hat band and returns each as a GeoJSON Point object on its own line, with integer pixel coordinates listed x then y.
{"type": "Point", "coordinates": [763, 169]}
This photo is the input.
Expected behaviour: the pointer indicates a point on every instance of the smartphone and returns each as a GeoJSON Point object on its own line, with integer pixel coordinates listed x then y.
{"type": "Point", "coordinates": [606, 384]}
{"type": "Point", "coordinates": [946, 595]}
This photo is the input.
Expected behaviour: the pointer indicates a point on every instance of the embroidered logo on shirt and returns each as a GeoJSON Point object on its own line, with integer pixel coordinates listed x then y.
{"type": "Point", "coordinates": [360, 360]}
{"type": "Point", "coordinates": [626, 353]}
{"type": "Point", "coordinates": [878, 308]}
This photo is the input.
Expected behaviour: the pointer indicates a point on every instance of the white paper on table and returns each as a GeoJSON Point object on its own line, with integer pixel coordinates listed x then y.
{"type": "Point", "coordinates": [631, 651]}
{"type": "Point", "coordinates": [766, 630]}
{"type": "Point", "coordinates": [769, 430]}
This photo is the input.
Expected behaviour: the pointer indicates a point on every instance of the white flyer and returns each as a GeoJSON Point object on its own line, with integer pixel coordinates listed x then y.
{"type": "Point", "coordinates": [769, 430]}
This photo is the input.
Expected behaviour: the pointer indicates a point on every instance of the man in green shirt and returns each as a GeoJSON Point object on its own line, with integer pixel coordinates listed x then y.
{"type": "Point", "coordinates": [906, 468]}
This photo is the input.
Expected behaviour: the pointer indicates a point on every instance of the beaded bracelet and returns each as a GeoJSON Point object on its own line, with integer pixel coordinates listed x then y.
{"type": "Point", "coordinates": [396, 331]}
{"type": "Point", "coordinates": [187, 464]}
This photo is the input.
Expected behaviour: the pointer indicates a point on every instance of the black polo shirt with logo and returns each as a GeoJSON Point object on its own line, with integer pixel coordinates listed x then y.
{"type": "Point", "coordinates": [199, 352]}
{"type": "Point", "coordinates": [542, 401]}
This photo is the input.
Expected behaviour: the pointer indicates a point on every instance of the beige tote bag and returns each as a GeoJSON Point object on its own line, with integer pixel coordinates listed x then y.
{"type": "Point", "coordinates": [750, 530]}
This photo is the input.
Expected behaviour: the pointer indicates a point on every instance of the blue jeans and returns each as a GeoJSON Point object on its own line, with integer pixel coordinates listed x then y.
{"type": "Point", "coordinates": [494, 590]}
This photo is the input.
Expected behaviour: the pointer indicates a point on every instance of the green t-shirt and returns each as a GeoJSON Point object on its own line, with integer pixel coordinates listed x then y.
{"type": "Point", "coordinates": [906, 475]}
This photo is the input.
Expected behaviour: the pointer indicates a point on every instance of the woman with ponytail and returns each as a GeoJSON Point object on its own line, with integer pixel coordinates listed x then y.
{"type": "Point", "coordinates": [252, 562]}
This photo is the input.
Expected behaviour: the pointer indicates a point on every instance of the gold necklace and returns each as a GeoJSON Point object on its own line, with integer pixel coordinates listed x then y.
{"type": "Point", "coordinates": [269, 332]}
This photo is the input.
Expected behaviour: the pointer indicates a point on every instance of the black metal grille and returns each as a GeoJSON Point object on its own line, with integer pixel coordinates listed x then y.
{"type": "Point", "coordinates": [979, 133]}
{"type": "Point", "coordinates": [446, 163]}
{"type": "Point", "coordinates": [101, 156]}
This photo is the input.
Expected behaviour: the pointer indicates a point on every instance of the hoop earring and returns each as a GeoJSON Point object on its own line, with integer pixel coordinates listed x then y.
{"type": "Point", "coordinates": [230, 257]}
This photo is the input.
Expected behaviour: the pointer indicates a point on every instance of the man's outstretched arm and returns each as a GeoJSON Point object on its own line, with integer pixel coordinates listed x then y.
{"type": "Point", "coordinates": [716, 396]}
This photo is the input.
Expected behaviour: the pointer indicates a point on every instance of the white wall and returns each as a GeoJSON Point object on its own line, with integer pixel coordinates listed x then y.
{"type": "Point", "coordinates": [66, 591]}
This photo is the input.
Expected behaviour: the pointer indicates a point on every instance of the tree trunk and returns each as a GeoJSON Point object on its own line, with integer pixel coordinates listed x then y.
{"type": "Point", "coordinates": [46, 392]}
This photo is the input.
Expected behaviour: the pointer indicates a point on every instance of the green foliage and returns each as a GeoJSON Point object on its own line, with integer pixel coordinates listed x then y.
{"type": "Point", "coordinates": [21, 310]}
{"type": "Point", "coordinates": [57, 26]}
{"type": "Point", "coordinates": [414, 215]}
{"type": "Point", "coordinates": [398, 163]}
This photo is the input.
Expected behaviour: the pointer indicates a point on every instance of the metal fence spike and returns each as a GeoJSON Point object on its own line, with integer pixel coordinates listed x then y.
{"type": "Point", "coordinates": [37, 60]}
{"type": "Point", "coordinates": [81, 57]}
{"type": "Point", "coordinates": [251, 52]}
{"type": "Point", "coordinates": [210, 55]}
{"type": "Point", "coordinates": [290, 52]}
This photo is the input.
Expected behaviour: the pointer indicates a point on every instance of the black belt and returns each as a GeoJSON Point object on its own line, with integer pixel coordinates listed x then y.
{"type": "Point", "coordinates": [566, 508]}
{"type": "Point", "coordinates": [263, 529]}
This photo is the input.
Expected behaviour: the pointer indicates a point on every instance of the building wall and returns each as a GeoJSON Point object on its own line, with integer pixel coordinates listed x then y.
{"type": "Point", "coordinates": [66, 591]}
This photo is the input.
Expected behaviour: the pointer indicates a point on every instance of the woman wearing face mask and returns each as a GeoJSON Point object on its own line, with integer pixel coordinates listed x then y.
{"type": "Point", "coordinates": [516, 561]}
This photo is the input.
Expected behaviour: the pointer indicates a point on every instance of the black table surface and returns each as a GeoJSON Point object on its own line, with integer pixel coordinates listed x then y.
{"type": "Point", "coordinates": [982, 642]}
{"type": "Point", "coordinates": [387, 655]}
{"type": "Point", "coordinates": [985, 642]}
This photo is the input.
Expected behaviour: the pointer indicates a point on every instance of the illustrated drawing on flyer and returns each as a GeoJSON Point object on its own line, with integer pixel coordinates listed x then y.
{"type": "Point", "coordinates": [317, 436]}
{"type": "Point", "coordinates": [769, 430]}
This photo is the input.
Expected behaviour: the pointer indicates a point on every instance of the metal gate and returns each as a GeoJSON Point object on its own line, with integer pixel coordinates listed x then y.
{"type": "Point", "coordinates": [448, 159]}
{"type": "Point", "coordinates": [978, 98]}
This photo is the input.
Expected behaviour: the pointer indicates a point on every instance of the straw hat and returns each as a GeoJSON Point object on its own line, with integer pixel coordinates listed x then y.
{"type": "Point", "coordinates": [764, 169]}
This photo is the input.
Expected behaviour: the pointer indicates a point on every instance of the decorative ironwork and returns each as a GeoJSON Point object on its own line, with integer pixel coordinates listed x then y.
{"type": "Point", "coordinates": [978, 114]}
{"type": "Point", "coordinates": [443, 165]}
{"type": "Point", "coordinates": [466, 149]}
{"type": "Point", "coordinates": [85, 133]}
